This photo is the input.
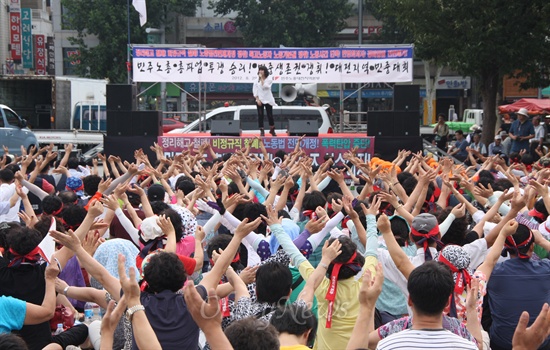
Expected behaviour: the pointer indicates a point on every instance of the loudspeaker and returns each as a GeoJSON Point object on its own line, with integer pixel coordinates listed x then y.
{"type": "Point", "coordinates": [134, 123]}
{"type": "Point", "coordinates": [406, 97]}
{"type": "Point", "coordinates": [303, 127]}
{"type": "Point", "coordinates": [388, 147]}
{"type": "Point", "coordinates": [407, 123]}
{"type": "Point", "coordinates": [393, 123]}
{"type": "Point", "coordinates": [124, 146]}
{"type": "Point", "coordinates": [121, 97]}
{"type": "Point", "coordinates": [380, 123]}
{"type": "Point", "coordinates": [225, 128]}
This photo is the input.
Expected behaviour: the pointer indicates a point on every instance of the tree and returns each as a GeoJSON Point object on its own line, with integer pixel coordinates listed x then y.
{"type": "Point", "coordinates": [270, 23]}
{"type": "Point", "coordinates": [486, 41]}
{"type": "Point", "coordinates": [108, 21]}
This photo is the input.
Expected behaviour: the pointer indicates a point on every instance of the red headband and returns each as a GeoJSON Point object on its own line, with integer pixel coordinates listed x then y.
{"type": "Point", "coordinates": [463, 278]}
{"type": "Point", "coordinates": [426, 237]}
{"type": "Point", "coordinates": [32, 257]}
{"type": "Point", "coordinates": [510, 245]}
{"type": "Point", "coordinates": [57, 212]}
{"type": "Point", "coordinates": [310, 214]}
{"type": "Point", "coordinates": [236, 259]}
{"type": "Point", "coordinates": [331, 293]}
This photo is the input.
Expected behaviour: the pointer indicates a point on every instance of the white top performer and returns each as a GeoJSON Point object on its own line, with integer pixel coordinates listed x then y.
{"type": "Point", "coordinates": [264, 98]}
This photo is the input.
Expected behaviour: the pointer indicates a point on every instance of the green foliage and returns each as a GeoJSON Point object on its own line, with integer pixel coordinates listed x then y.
{"type": "Point", "coordinates": [486, 40]}
{"type": "Point", "coordinates": [108, 21]}
{"type": "Point", "coordinates": [270, 23]}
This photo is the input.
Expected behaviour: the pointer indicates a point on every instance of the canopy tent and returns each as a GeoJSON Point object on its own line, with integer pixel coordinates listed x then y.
{"type": "Point", "coordinates": [534, 106]}
{"type": "Point", "coordinates": [546, 91]}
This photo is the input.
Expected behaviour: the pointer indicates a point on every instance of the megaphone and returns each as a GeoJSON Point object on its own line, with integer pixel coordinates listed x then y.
{"type": "Point", "coordinates": [306, 89]}
{"type": "Point", "coordinates": [289, 92]}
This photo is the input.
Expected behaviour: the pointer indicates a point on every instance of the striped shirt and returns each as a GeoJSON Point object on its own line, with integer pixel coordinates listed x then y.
{"type": "Point", "coordinates": [425, 339]}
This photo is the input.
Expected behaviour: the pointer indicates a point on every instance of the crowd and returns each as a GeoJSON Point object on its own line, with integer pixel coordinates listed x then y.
{"type": "Point", "coordinates": [520, 140]}
{"type": "Point", "coordinates": [243, 252]}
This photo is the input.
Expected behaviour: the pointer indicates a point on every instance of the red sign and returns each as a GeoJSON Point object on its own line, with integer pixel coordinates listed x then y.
{"type": "Point", "coordinates": [315, 147]}
{"type": "Point", "coordinates": [15, 35]}
{"type": "Point", "coordinates": [40, 54]}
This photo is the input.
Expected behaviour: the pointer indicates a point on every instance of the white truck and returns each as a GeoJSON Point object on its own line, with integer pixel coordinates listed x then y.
{"type": "Point", "coordinates": [59, 109]}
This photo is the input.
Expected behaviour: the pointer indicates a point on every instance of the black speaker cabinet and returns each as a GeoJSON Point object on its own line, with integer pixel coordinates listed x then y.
{"type": "Point", "coordinates": [121, 97]}
{"type": "Point", "coordinates": [380, 123]}
{"type": "Point", "coordinates": [407, 123]}
{"type": "Point", "coordinates": [134, 123]}
{"type": "Point", "coordinates": [389, 146]}
{"type": "Point", "coordinates": [406, 97]}
{"type": "Point", "coordinates": [303, 127]}
{"type": "Point", "coordinates": [225, 128]}
{"type": "Point", "coordinates": [393, 123]}
{"type": "Point", "coordinates": [125, 146]}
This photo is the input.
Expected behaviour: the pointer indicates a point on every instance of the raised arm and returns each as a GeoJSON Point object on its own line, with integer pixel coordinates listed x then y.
{"type": "Point", "coordinates": [397, 254]}
{"type": "Point", "coordinates": [92, 266]}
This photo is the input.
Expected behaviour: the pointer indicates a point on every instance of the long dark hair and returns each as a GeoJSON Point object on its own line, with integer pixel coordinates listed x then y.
{"type": "Point", "coordinates": [264, 68]}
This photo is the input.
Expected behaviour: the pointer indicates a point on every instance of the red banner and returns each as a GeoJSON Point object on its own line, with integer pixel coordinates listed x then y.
{"type": "Point", "coordinates": [15, 35]}
{"type": "Point", "coordinates": [315, 147]}
{"type": "Point", "coordinates": [40, 54]}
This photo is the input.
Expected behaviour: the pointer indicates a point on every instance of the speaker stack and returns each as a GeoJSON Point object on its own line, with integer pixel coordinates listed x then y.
{"type": "Point", "coordinates": [225, 128]}
{"type": "Point", "coordinates": [127, 128]}
{"type": "Point", "coordinates": [400, 128]}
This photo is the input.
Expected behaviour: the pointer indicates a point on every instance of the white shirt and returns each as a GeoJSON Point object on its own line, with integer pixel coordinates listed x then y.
{"type": "Point", "coordinates": [540, 132]}
{"type": "Point", "coordinates": [263, 91]}
{"type": "Point", "coordinates": [6, 191]}
{"type": "Point", "coordinates": [425, 339]}
{"type": "Point", "coordinates": [392, 273]}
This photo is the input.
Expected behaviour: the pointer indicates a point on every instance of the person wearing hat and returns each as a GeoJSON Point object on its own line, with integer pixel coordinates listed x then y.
{"type": "Point", "coordinates": [521, 131]}
{"type": "Point", "coordinates": [496, 148]}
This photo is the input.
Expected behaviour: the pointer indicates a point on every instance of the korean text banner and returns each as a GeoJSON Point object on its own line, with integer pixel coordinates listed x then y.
{"type": "Point", "coordinates": [315, 147]}
{"type": "Point", "coordinates": [304, 65]}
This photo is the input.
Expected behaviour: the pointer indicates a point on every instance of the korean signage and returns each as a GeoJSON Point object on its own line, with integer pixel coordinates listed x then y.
{"type": "Point", "coordinates": [40, 54]}
{"type": "Point", "coordinates": [307, 65]}
{"type": "Point", "coordinates": [50, 47]}
{"type": "Point", "coordinates": [315, 147]}
{"type": "Point", "coordinates": [26, 38]}
{"type": "Point", "coordinates": [15, 30]}
{"type": "Point", "coordinates": [228, 27]}
{"type": "Point", "coordinates": [453, 83]}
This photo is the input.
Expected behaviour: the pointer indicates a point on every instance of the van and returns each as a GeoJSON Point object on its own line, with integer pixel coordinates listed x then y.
{"type": "Point", "coordinates": [14, 132]}
{"type": "Point", "coordinates": [247, 116]}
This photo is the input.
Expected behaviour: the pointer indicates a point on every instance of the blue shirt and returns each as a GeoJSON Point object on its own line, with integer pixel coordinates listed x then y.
{"type": "Point", "coordinates": [12, 314]}
{"type": "Point", "coordinates": [518, 129]}
{"type": "Point", "coordinates": [516, 285]}
{"type": "Point", "coordinates": [461, 145]}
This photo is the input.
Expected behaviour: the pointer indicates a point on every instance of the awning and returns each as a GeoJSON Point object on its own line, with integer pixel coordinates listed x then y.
{"type": "Point", "coordinates": [171, 90]}
{"type": "Point", "coordinates": [534, 106]}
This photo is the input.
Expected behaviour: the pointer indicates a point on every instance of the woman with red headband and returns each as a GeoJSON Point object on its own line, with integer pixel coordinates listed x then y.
{"type": "Point", "coordinates": [336, 288]}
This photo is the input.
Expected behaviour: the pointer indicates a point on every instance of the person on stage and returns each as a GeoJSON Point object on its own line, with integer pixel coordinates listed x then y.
{"type": "Point", "coordinates": [264, 98]}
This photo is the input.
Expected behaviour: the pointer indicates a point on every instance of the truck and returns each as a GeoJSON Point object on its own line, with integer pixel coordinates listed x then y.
{"type": "Point", "coordinates": [470, 117]}
{"type": "Point", "coordinates": [59, 109]}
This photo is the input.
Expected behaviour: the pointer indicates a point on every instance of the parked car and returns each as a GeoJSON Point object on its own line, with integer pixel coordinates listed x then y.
{"type": "Point", "coordinates": [14, 131]}
{"type": "Point", "coordinates": [169, 124]}
{"type": "Point", "coordinates": [247, 117]}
